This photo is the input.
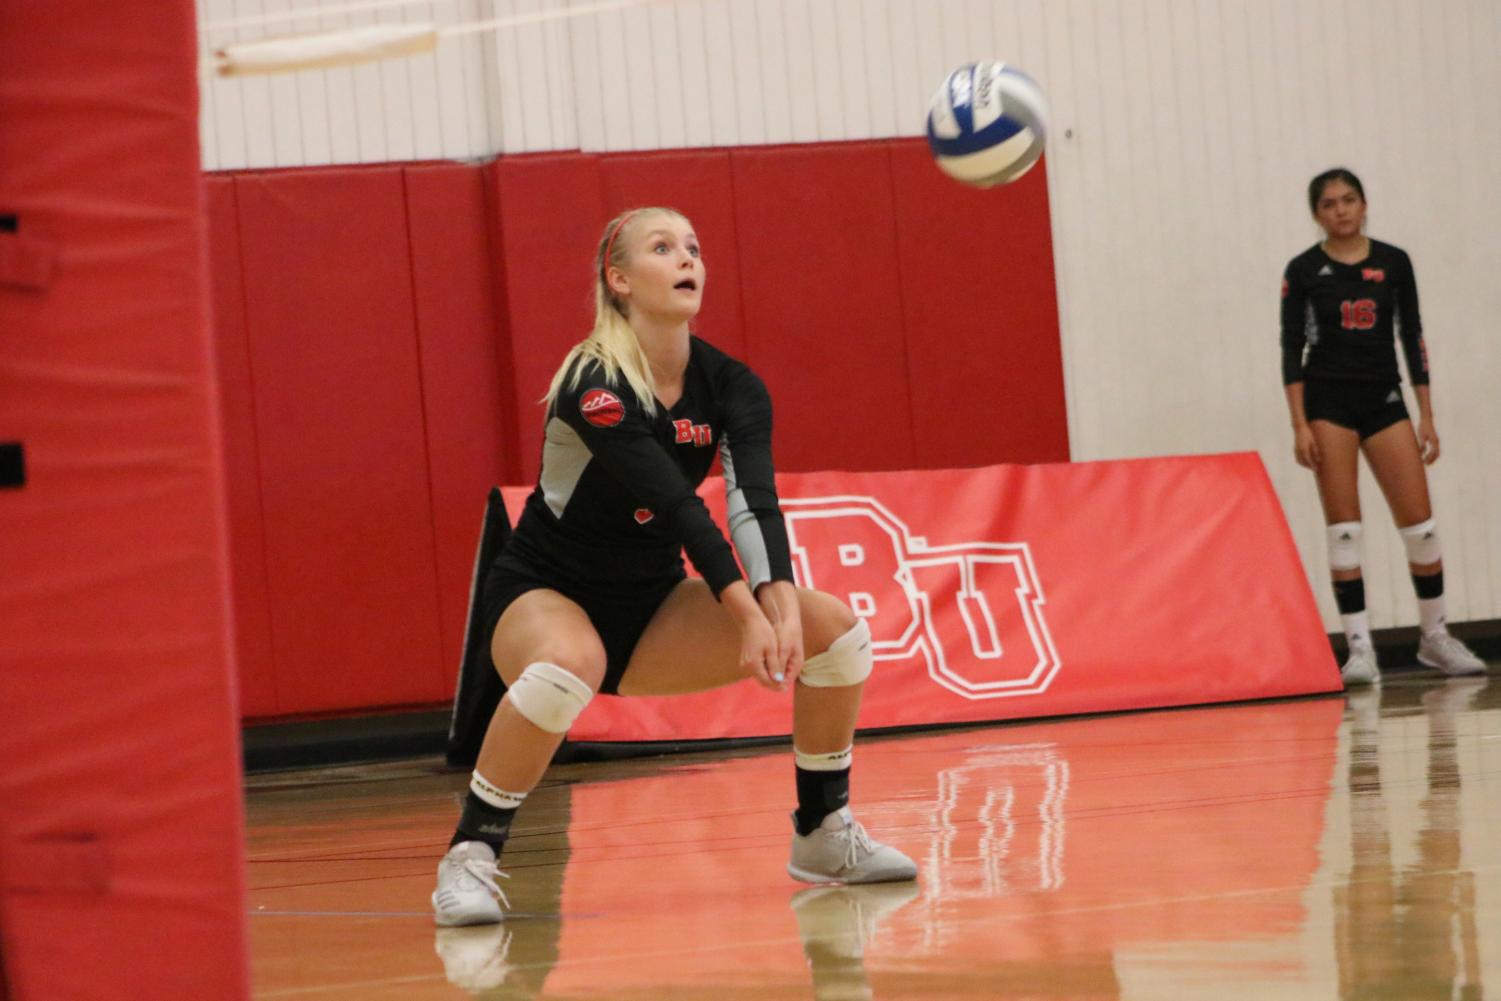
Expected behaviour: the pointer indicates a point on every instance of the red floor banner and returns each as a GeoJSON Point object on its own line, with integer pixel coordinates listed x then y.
{"type": "Point", "coordinates": [1011, 592]}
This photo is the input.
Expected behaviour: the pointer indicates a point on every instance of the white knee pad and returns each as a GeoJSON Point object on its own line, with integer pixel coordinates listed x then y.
{"type": "Point", "coordinates": [1344, 545]}
{"type": "Point", "coordinates": [549, 696]}
{"type": "Point", "coordinates": [847, 661]}
{"type": "Point", "coordinates": [1421, 541]}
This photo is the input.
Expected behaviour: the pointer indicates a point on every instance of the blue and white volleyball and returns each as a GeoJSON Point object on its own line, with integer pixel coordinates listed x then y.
{"type": "Point", "coordinates": [987, 123]}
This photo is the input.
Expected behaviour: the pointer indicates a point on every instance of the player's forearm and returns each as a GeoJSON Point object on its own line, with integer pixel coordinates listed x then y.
{"type": "Point", "coordinates": [1425, 403]}
{"type": "Point", "coordinates": [739, 602]}
{"type": "Point", "coordinates": [778, 598]}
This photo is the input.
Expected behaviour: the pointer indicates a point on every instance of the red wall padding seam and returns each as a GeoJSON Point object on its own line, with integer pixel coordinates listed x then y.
{"type": "Point", "coordinates": [339, 418]}
{"type": "Point", "coordinates": [250, 590]}
{"type": "Point", "coordinates": [462, 409]}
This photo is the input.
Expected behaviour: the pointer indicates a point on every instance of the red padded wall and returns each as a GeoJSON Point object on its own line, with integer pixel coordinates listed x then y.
{"type": "Point", "coordinates": [981, 316]}
{"type": "Point", "coordinates": [344, 481]}
{"type": "Point", "coordinates": [121, 834]}
{"type": "Point", "coordinates": [387, 333]}
{"type": "Point", "coordinates": [242, 469]}
{"type": "Point", "coordinates": [460, 393]}
{"type": "Point", "coordinates": [823, 310]}
{"type": "Point", "coordinates": [699, 184]}
{"type": "Point", "coordinates": [550, 211]}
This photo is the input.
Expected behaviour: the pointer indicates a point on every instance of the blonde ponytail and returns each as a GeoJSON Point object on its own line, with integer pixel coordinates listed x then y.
{"type": "Point", "coordinates": [612, 343]}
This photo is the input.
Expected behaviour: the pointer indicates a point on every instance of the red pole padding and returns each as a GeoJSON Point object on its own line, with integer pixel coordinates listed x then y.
{"type": "Point", "coordinates": [121, 835]}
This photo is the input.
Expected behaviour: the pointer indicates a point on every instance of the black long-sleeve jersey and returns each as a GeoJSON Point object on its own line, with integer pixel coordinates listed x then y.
{"type": "Point", "coordinates": [1345, 314]}
{"type": "Point", "coordinates": [615, 502]}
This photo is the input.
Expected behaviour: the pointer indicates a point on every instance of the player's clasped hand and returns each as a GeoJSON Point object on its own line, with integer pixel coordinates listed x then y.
{"type": "Point", "coordinates": [779, 602]}
{"type": "Point", "coordinates": [758, 652]}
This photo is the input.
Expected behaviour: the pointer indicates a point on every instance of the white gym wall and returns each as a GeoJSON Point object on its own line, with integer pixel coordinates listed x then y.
{"type": "Point", "coordinates": [1184, 132]}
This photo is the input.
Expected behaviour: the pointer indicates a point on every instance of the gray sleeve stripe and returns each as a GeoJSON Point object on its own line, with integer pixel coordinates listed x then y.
{"type": "Point", "coordinates": [564, 458]}
{"type": "Point", "coordinates": [729, 464]}
{"type": "Point", "coordinates": [745, 529]}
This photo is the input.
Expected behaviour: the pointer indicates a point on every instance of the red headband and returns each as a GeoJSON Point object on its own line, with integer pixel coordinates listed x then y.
{"type": "Point", "coordinates": [610, 246]}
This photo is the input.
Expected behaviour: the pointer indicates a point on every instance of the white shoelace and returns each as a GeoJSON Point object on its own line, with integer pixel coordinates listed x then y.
{"type": "Point", "coordinates": [856, 842]}
{"type": "Point", "coordinates": [486, 873]}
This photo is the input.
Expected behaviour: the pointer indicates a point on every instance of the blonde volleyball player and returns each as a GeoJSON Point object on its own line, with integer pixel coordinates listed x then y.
{"type": "Point", "coordinates": [1342, 299]}
{"type": "Point", "coordinates": [589, 595]}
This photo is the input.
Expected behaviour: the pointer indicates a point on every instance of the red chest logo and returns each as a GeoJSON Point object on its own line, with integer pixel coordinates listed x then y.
{"type": "Point", "coordinates": [1373, 275]}
{"type": "Point", "coordinates": [602, 408]}
{"type": "Point", "coordinates": [644, 514]}
{"type": "Point", "coordinates": [688, 433]}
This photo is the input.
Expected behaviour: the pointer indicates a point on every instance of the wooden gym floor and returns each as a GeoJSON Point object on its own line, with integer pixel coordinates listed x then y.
{"type": "Point", "coordinates": [1338, 847]}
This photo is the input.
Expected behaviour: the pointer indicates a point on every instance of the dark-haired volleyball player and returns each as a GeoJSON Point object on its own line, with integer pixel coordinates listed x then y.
{"type": "Point", "coordinates": [1342, 300]}
{"type": "Point", "coordinates": [590, 594]}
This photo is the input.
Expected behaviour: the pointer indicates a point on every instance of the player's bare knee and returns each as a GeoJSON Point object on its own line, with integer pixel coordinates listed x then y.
{"type": "Point", "coordinates": [825, 618]}
{"type": "Point", "coordinates": [847, 660]}
{"type": "Point", "coordinates": [582, 656]}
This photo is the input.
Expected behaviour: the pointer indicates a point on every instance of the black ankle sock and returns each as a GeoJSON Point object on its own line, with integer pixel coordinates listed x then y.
{"type": "Point", "coordinates": [1349, 595]}
{"type": "Point", "coordinates": [482, 822]}
{"type": "Point", "coordinates": [818, 795]}
{"type": "Point", "coordinates": [1429, 586]}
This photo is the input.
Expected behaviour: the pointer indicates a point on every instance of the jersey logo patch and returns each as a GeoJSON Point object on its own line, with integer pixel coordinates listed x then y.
{"type": "Point", "coordinates": [644, 514]}
{"type": "Point", "coordinates": [602, 408]}
{"type": "Point", "coordinates": [1373, 275]}
{"type": "Point", "coordinates": [689, 433]}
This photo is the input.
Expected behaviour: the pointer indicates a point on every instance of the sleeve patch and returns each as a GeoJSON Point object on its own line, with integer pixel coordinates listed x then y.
{"type": "Point", "coordinates": [602, 408]}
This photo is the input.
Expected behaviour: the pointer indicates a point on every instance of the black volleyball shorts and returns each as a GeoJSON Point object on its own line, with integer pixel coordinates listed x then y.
{"type": "Point", "coordinates": [1363, 407]}
{"type": "Point", "coordinates": [620, 614]}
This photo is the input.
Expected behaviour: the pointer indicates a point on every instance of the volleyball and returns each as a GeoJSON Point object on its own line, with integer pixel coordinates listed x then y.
{"type": "Point", "coordinates": [987, 123]}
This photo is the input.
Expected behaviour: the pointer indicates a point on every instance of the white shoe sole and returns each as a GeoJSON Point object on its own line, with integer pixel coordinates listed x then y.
{"type": "Point", "coordinates": [464, 919]}
{"type": "Point", "coordinates": [808, 876]}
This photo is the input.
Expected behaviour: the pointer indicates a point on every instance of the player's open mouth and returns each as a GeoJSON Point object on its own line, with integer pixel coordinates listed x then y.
{"type": "Point", "coordinates": [687, 285]}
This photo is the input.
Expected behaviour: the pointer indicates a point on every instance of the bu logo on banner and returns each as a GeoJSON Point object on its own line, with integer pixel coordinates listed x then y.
{"type": "Point", "coordinates": [971, 612]}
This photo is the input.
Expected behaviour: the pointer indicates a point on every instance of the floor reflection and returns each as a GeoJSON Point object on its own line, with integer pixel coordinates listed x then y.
{"type": "Point", "coordinates": [837, 925]}
{"type": "Point", "coordinates": [1310, 848]}
{"type": "Point", "coordinates": [1408, 931]}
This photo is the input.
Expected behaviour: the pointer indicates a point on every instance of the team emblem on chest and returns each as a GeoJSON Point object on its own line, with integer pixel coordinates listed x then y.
{"type": "Point", "coordinates": [685, 432]}
{"type": "Point", "coordinates": [1373, 275]}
